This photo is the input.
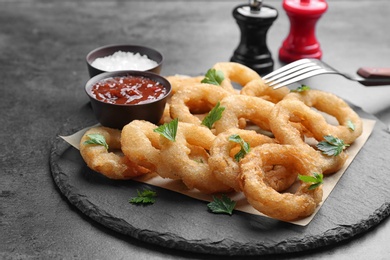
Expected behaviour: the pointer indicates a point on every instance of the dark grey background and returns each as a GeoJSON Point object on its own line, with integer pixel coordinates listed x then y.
{"type": "Point", "coordinates": [43, 45]}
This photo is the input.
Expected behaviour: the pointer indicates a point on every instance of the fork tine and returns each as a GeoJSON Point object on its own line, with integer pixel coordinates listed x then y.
{"type": "Point", "coordinates": [290, 73]}
{"type": "Point", "coordinates": [286, 67]}
{"type": "Point", "coordinates": [294, 75]}
{"type": "Point", "coordinates": [301, 77]}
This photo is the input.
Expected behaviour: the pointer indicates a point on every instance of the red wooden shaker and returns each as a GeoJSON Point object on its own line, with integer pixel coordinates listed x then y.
{"type": "Point", "coordinates": [301, 41]}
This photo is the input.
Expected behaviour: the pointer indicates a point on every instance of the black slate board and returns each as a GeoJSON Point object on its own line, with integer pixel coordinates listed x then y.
{"type": "Point", "coordinates": [359, 201]}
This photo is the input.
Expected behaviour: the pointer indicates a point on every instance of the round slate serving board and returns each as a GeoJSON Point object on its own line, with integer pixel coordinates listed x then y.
{"type": "Point", "coordinates": [359, 201]}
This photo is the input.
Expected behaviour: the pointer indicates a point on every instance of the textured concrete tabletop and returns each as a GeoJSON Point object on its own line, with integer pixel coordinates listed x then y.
{"type": "Point", "coordinates": [43, 45]}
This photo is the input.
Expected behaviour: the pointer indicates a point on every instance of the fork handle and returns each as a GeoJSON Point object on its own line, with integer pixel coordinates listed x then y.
{"type": "Point", "coordinates": [368, 72]}
{"type": "Point", "coordinates": [374, 76]}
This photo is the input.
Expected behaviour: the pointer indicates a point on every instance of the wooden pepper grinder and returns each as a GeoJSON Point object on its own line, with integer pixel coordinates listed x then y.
{"type": "Point", "coordinates": [254, 20]}
{"type": "Point", "coordinates": [301, 41]}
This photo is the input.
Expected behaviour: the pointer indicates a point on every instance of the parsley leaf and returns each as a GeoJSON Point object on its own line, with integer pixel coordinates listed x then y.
{"type": "Point", "coordinates": [144, 197]}
{"type": "Point", "coordinates": [168, 130]}
{"type": "Point", "coordinates": [245, 147]}
{"type": "Point", "coordinates": [200, 160]}
{"type": "Point", "coordinates": [301, 89]}
{"type": "Point", "coordinates": [214, 77]}
{"type": "Point", "coordinates": [213, 116]}
{"type": "Point", "coordinates": [223, 205]}
{"type": "Point", "coordinates": [331, 146]}
{"type": "Point", "coordinates": [317, 180]}
{"type": "Point", "coordinates": [351, 125]}
{"type": "Point", "coordinates": [96, 139]}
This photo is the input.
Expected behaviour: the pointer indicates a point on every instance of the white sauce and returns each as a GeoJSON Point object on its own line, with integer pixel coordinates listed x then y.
{"type": "Point", "coordinates": [124, 61]}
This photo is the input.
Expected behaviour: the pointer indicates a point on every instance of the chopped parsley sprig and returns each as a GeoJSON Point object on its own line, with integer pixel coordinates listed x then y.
{"type": "Point", "coordinates": [245, 147]}
{"type": "Point", "coordinates": [332, 146]}
{"type": "Point", "coordinates": [213, 116]}
{"type": "Point", "coordinates": [316, 179]}
{"type": "Point", "coordinates": [144, 197]}
{"type": "Point", "coordinates": [168, 130]}
{"type": "Point", "coordinates": [351, 125]}
{"type": "Point", "coordinates": [223, 205]}
{"type": "Point", "coordinates": [96, 139]}
{"type": "Point", "coordinates": [214, 77]}
{"type": "Point", "coordinates": [301, 88]}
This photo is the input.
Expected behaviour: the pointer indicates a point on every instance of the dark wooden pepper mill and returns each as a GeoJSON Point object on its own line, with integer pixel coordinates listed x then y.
{"type": "Point", "coordinates": [254, 21]}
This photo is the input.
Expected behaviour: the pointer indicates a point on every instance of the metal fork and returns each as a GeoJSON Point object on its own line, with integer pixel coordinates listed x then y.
{"type": "Point", "coordinates": [306, 68]}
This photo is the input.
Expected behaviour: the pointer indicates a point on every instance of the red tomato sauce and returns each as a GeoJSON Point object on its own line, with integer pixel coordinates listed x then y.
{"type": "Point", "coordinates": [128, 90]}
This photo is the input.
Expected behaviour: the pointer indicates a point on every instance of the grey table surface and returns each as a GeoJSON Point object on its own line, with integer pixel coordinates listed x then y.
{"type": "Point", "coordinates": [43, 45]}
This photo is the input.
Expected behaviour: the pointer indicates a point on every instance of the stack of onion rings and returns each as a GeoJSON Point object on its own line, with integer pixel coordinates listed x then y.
{"type": "Point", "coordinates": [203, 158]}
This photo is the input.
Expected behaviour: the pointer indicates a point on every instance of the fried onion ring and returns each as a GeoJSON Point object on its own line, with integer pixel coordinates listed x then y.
{"type": "Point", "coordinates": [235, 72]}
{"type": "Point", "coordinates": [258, 88]}
{"type": "Point", "coordinates": [142, 145]}
{"type": "Point", "coordinates": [334, 106]}
{"type": "Point", "coordinates": [202, 97]}
{"type": "Point", "coordinates": [112, 165]}
{"type": "Point", "coordinates": [180, 82]}
{"type": "Point", "coordinates": [222, 163]}
{"type": "Point", "coordinates": [254, 109]}
{"type": "Point", "coordinates": [282, 206]}
{"type": "Point", "coordinates": [166, 117]}
{"type": "Point", "coordinates": [192, 139]}
{"type": "Point", "coordinates": [285, 132]}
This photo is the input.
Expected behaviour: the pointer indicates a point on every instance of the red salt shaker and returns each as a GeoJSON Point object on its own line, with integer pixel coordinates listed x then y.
{"type": "Point", "coordinates": [301, 41]}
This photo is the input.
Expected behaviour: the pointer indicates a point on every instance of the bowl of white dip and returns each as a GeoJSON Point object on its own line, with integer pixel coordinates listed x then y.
{"type": "Point", "coordinates": [123, 57]}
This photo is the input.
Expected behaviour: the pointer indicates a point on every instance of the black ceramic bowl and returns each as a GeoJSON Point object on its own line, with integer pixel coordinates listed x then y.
{"type": "Point", "coordinates": [111, 49]}
{"type": "Point", "coordinates": [117, 115]}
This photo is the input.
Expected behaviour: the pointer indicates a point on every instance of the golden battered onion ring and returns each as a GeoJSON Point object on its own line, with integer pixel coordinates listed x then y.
{"type": "Point", "coordinates": [258, 88]}
{"type": "Point", "coordinates": [334, 106]}
{"type": "Point", "coordinates": [279, 177]}
{"type": "Point", "coordinates": [254, 109]}
{"type": "Point", "coordinates": [191, 139]}
{"type": "Point", "coordinates": [141, 144]}
{"type": "Point", "coordinates": [222, 163]}
{"type": "Point", "coordinates": [180, 82]}
{"type": "Point", "coordinates": [235, 72]}
{"type": "Point", "coordinates": [110, 164]}
{"type": "Point", "coordinates": [166, 117]}
{"type": "Point", "coordinates": [200, 97]}
{"type": "Point", "coordinates": [282, 206]}
{"type": "Point", "coordinates": [285, 132]}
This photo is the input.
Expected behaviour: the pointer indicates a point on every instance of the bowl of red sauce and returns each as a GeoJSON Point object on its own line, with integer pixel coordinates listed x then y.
{"type": "Point", "coordinates": [119, 97]}
{"type": "Point", "coordinates": [123, 57]}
